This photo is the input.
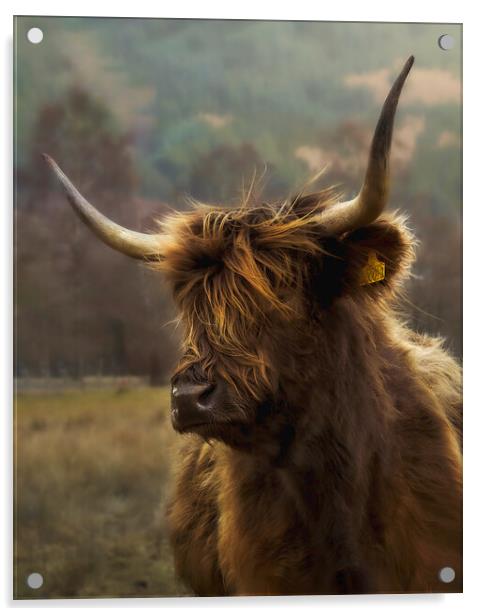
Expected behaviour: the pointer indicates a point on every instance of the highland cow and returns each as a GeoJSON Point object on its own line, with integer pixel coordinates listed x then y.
{"type": "Point", "coordinates": [324, 451]}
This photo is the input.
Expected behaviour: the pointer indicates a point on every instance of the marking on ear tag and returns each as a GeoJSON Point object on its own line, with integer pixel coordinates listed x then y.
{"type": "Point", "coordinates": [373, 271]}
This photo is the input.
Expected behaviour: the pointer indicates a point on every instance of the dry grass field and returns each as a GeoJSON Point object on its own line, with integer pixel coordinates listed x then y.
{"type": "Point", "coordinates": [92, 475]}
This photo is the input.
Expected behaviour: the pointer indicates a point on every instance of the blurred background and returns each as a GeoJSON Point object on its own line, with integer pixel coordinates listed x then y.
{"type": "Point", "coordinates": [141, 114]}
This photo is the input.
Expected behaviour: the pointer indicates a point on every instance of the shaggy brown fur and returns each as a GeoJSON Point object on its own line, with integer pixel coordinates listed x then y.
{"type": "Point", "coordinates": [337, 468]}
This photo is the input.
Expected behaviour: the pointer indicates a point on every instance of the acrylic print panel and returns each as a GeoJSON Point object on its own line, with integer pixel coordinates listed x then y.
{"type": "Point", "coordinates": [239, 374]}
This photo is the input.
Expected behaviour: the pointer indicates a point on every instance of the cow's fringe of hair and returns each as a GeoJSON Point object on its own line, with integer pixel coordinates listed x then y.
{"type": "Point", "coordinates": [244, 263]}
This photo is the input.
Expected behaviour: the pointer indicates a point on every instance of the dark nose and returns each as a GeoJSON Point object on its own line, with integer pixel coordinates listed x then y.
{"type": "Point", "coordinates": [191, 403]}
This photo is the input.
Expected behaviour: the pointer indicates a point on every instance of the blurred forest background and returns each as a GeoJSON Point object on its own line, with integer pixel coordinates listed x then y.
{"type": "Point", "coordinates": [141, 114]}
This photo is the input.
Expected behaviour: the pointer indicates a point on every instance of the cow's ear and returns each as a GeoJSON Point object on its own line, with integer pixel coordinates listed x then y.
{"type": "Point", "coordinates": [372, 260]}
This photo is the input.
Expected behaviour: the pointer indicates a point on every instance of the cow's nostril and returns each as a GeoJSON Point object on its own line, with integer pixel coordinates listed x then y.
{"type": "Point", "coordinates": [205, 396]}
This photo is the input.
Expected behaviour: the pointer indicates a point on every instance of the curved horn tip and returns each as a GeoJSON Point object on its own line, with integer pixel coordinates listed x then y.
{"type": "Point", "coordinates": [400, 81]}
{"type": "Point", "coordinates": [52, 164]}
{"type": "Point", "coordinates": [409, 62]}
{"type": "Point", "coordinates": [406, 68]}
{"type": "Point", "coordinates": [48, 159]}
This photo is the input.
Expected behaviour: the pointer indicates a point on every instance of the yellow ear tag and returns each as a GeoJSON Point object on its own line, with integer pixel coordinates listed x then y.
{"type": "Point", "coordinates": [373, 271]}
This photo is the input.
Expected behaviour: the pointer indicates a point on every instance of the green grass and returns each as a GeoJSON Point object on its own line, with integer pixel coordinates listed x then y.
{"type": "Point", "coordinates": [92, 474]}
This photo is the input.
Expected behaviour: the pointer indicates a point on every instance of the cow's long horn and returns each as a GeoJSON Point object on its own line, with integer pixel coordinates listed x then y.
{"type": "Point", "coordinates": [373, 196]}
{"type": "Point", "coordinates": [131, 243]}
